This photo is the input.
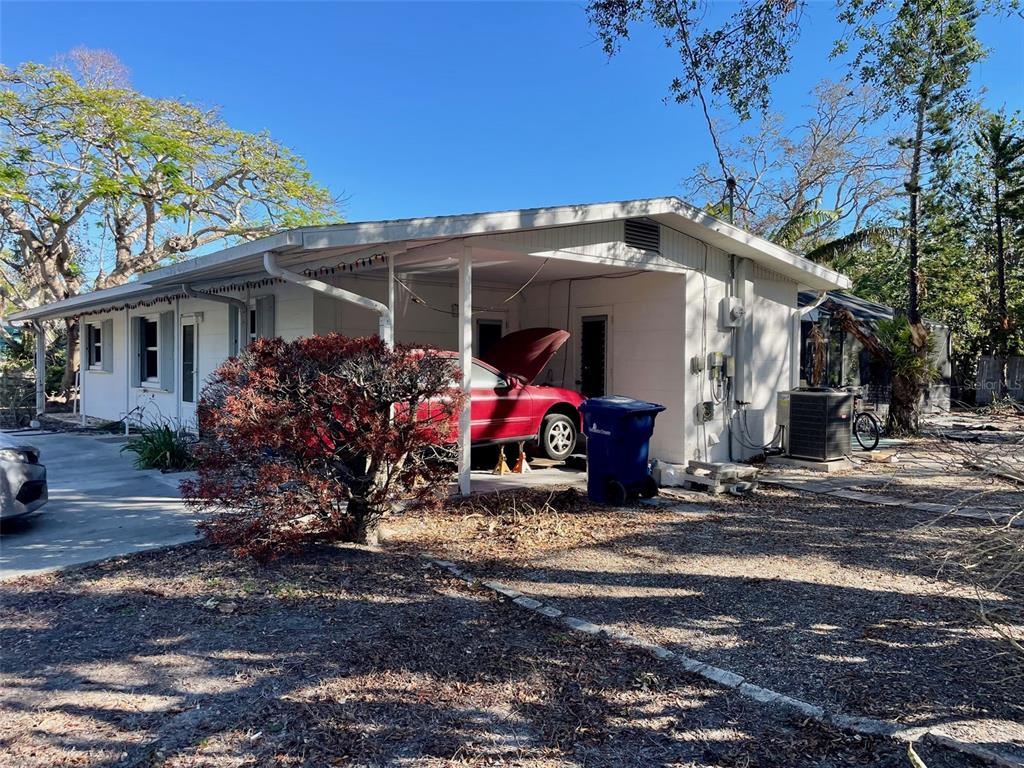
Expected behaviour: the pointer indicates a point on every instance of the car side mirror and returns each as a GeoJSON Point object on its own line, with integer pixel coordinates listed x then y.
{"type": "Point", "coordinates": [504, 384]}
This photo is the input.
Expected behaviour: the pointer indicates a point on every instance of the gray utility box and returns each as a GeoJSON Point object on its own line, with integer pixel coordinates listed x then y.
{"type": "Point", "coordinates": [817, 423]}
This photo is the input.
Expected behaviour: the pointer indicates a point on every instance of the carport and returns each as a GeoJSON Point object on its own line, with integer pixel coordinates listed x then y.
{"type": "Point", "coordinates": [409, 290]}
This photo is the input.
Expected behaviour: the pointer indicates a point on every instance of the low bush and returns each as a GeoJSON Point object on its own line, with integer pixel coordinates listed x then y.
{"type": "Point", "coordinates": [319, 438]}
{"type": "Point", "coordinates": [162, 446]}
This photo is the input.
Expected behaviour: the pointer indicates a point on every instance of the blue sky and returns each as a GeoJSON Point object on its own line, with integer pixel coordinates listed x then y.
{"type": "Point", "coordinates": [428, 108]}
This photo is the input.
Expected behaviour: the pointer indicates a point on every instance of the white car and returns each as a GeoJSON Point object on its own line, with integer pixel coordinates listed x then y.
{"type": "Point", "coordinates": [22, 478]}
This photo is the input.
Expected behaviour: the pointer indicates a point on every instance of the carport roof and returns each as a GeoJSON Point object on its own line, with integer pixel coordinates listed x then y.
{"type": "Point", "coordinates": [308, 244]}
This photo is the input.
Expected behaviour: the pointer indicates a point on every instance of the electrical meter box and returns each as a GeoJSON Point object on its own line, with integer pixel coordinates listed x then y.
{"type": "Point", "coordinates": [732, 312]}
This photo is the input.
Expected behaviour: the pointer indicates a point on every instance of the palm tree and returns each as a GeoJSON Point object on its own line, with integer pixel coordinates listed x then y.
{"type": "Point", "coordinates": [836, 252]}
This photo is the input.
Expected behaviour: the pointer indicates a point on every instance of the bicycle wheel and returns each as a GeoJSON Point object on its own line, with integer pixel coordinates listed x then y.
{"type": "Point", "coordinates": [867, 430]}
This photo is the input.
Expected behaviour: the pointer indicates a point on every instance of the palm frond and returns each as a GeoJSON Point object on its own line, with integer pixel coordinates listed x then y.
{"type": "Point", "coordinates": [834, 252]}
{"type": "Point", "coordinates": [802, 221]}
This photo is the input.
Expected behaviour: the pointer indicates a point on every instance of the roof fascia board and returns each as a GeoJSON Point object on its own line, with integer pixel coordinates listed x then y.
{"type": "Point", "coordinates": [75, 304]}
{"type": "Point", "coordinates": [484, 224]}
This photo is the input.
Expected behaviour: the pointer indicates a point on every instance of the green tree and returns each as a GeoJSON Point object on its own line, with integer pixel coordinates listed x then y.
{"type": "Point", "coordinates": [1001, 151]}
{"type": "Point", "coordinates": [88, 165]}
{"type": "Point", "coordinates": [917, 54]}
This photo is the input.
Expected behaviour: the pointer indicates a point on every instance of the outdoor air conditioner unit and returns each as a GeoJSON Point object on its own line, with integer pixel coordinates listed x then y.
{"type": "Point", "coordinates": [819, 424]}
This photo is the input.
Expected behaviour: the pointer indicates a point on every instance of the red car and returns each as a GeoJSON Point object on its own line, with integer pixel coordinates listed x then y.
{"type": "Point", "coordinates": [505, 407]}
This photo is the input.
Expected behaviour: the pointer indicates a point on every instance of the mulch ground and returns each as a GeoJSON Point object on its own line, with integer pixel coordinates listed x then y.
{"type": "Point", "coordinates": [829, 600]}
{"type": "Point", "coordinates": [354, 657]}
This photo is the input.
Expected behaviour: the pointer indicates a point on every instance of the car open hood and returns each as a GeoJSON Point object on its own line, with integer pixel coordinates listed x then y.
{"type": "Point", "coordinates": [525, 353]}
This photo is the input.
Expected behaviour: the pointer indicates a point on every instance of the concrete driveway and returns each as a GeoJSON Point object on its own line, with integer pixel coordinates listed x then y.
{"type": "Point", "coordinates": [100, 506]}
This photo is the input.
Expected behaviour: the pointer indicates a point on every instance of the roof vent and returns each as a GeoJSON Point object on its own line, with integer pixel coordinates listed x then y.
{"type": "Point", "coordinates": [643, 234]}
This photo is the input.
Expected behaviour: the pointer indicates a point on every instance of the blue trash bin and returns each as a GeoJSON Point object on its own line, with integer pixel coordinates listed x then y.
{"type": "Point", "coordinates": [618, 431]}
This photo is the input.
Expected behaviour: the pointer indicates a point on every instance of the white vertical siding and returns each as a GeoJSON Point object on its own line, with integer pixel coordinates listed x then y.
{"type": "Point", "coordinates": [645, 341]}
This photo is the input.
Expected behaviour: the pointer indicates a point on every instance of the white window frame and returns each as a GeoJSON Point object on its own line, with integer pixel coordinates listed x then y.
{"type": "Point", "coordinates": [150, 380]}
{"type": "Point", "coordinates": [94, 344]}
{"type": "Point", "coordinates": [251, 320]}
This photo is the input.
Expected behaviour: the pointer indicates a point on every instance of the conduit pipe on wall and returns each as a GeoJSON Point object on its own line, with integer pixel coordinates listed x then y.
{"type": "Point", "coordinates": [741, 347]}
{"type": "Point", "coordinates": [384, 312]}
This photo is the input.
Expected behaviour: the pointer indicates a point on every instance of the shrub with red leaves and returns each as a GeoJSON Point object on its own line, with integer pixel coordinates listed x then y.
{"type": "Point", "coordinates": [318, 438]}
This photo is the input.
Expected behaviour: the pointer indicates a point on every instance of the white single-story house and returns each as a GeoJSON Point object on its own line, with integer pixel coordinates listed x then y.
{"type": "Point", "coordinates": [664, 303]}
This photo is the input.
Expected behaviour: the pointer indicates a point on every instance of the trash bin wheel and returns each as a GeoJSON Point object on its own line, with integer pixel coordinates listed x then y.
{"type": "Point", "coordinates": [648, 488]}
{"type": "Point", "coordinates": [615, 492]}
{"type": "Point", "coordinates": [558, 436]}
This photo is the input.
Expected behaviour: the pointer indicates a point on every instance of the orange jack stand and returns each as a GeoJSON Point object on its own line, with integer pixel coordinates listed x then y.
{"type": "Point", "coordinates": [501, 468]}
{"type": "Point", "coordinates": [521, 466]}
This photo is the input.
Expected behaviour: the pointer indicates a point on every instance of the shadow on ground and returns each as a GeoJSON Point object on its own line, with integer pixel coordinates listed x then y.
{"type": "Point", "coordinates": [352, 657]}
{"type": "Point", "coordinates": [827, 600]}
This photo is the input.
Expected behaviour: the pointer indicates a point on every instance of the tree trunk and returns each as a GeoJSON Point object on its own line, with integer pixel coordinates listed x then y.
{"type": "Point", "coordinates": [905, 393]}
{"type": "Point", "coordinates": [71, 364]}
{"type": "Point", "coordinates": [904, 417]}
{"type": "Point", "coordinates": [366, 521]}
{"type": "Point", "coordinates": [1003, 332]}
{"type": "Point", "coordinates": [914, 192]}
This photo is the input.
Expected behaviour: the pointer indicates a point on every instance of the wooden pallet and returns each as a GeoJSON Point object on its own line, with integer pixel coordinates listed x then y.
{"type": "Point", "coordinates": [719, 478]}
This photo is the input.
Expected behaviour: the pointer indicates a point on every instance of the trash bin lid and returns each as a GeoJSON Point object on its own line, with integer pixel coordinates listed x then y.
{"type": "Point", "coordinates": [620, 404]}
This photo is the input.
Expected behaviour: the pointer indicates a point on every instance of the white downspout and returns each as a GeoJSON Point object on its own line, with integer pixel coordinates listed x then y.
{"type": "Point", "coordinates": [179, 370]}
{"type": "Point", "coordinates": [798, 315]}
{"type": "Point", "coordinates": [128, 352]}
{"type": "Point", "coordinates": [241, 306]}
{"type": "Point", "coordinates": [386, 324]}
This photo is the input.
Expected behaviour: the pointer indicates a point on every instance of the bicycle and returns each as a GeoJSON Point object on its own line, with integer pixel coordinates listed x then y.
{"type": "Point", "coordinates": [867, 427]}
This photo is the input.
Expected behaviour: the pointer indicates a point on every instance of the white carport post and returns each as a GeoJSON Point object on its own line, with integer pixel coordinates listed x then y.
{"type": "Point", "coordinates": [40, 330]}
{"type": "Point", "coordinates": [465, 362]}
{"type": "Point", "coordinates": [390, 340]}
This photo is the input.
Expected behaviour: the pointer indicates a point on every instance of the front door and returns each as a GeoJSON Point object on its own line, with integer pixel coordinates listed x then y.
{"type": "Point", "coordinates": [189, 371]}
{"type": "Point", "coordinates": [592, 363]}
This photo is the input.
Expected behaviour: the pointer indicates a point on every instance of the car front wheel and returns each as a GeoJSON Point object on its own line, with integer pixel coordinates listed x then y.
{"type": "Point", "coordinates": [558, 436]}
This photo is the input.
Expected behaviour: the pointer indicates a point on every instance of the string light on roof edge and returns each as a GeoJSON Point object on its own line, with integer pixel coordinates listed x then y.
{"type": "Point", "coordinates": [367, 261]}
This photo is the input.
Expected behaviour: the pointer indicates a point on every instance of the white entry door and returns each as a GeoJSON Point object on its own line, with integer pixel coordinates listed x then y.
{"type": "Point", "coordinates": [189, 368]}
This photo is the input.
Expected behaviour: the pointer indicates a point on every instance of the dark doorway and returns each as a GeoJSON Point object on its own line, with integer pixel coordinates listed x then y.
{"type": "Point", "coordinates": [593, 355]}
{"type": "Point", "coordinates": [487, 332]}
